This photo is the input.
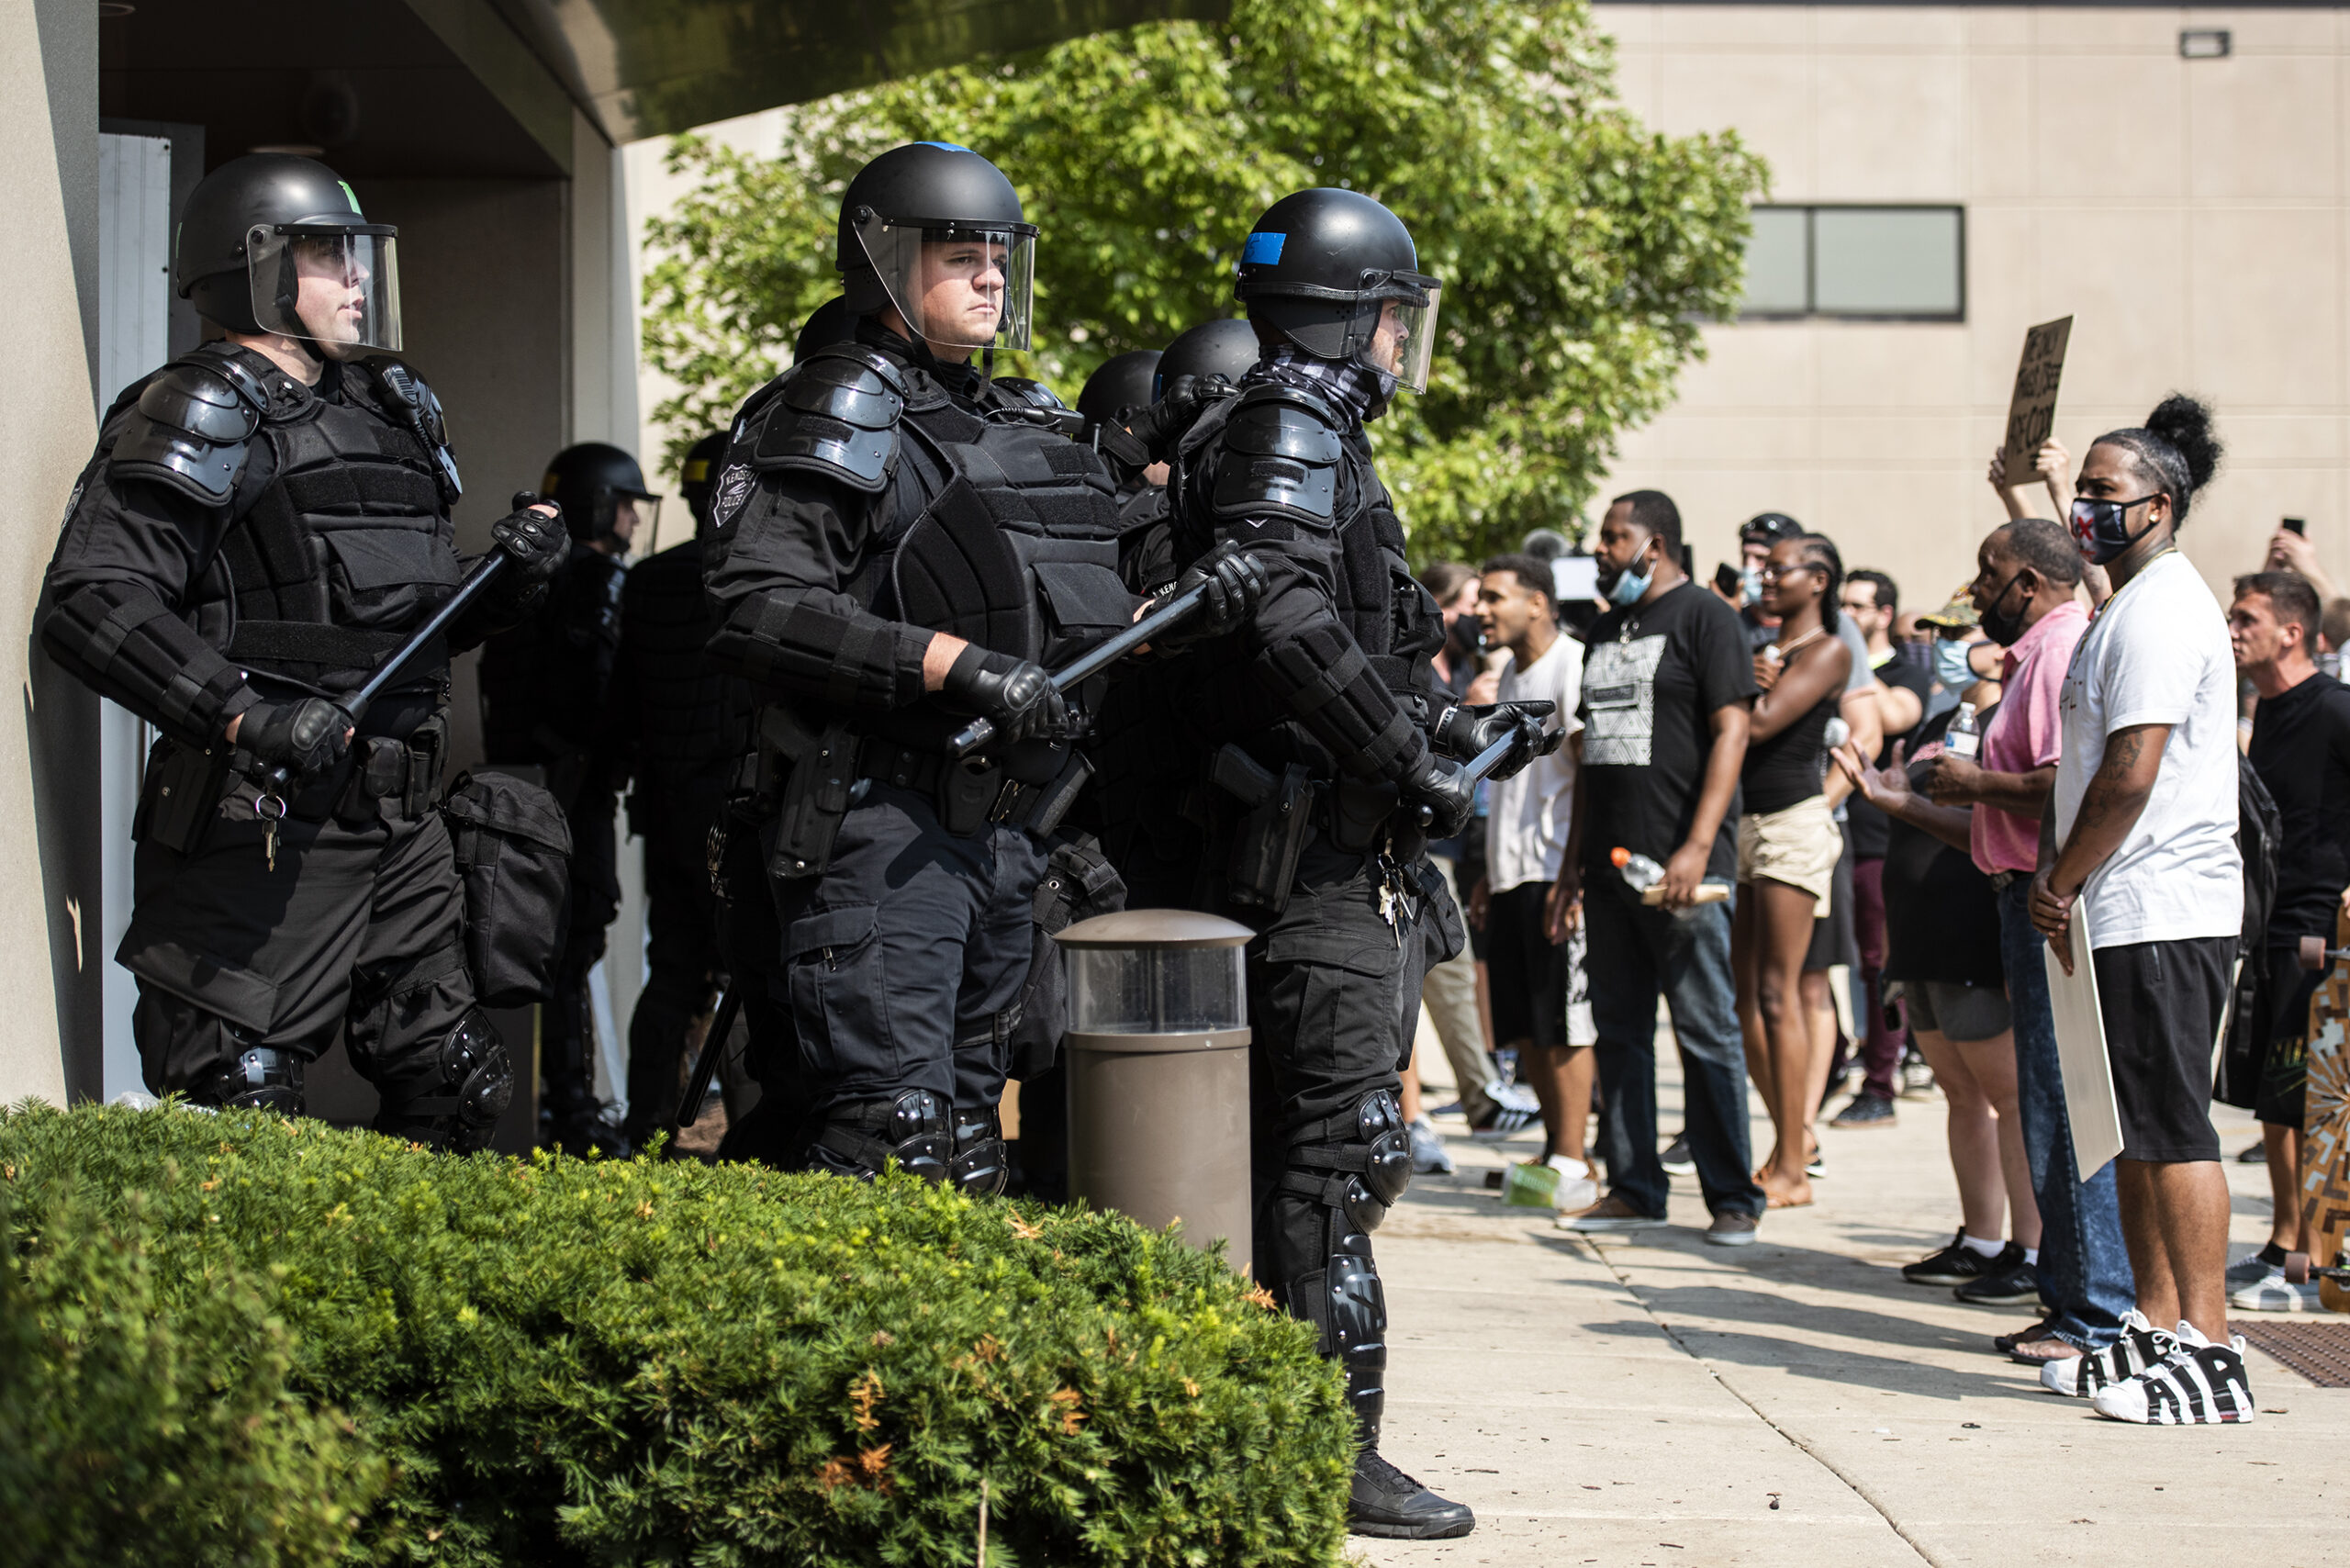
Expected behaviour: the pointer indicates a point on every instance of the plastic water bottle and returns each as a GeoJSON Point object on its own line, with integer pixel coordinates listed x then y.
{"type": "Point", "coordinates": [1965, 738]}
{"type": "Point", "coordinates": [1640, 871]}
{"type": "Point", "coordinates": [1641, 874]}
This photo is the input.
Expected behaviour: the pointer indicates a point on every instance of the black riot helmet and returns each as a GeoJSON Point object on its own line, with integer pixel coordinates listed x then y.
{"type": "Point", "coordinates": [828, 323]}
{"type": "Point", "coordinates": [698, 478]}
{"type": "Point", "coordinates": [923, 213]}
{"type": "Point", "coordinates": [590, 481]}
{"type": "Point", "coordinates": [1338, 274]}
{"type": "Point", "coordinates": [270, 242]}
{"type": "Point", "coordinates": [1212, 348]}
{"type": "Point", "coordinates": [1124, 382]}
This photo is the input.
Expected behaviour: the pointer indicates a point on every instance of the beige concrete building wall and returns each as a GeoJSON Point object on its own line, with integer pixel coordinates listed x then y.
{"type": "Point", "coordinates": [2189, 213]}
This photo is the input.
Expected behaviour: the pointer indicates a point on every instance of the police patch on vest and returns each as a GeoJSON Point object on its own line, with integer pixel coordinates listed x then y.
{"type": "Point", "coordinates": [733, 490]}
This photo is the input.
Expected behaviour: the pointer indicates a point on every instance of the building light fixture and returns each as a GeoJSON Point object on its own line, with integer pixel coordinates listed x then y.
{"type": "Point", "coordinates": [2205, 43]}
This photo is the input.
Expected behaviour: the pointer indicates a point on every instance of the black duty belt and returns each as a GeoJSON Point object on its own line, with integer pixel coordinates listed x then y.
{"type": "Point", "coordinates": [1000, 798]}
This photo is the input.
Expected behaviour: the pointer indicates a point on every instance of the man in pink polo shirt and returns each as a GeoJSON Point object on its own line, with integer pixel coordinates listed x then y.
{"type": "Point", "coordinates": [2025, 589]}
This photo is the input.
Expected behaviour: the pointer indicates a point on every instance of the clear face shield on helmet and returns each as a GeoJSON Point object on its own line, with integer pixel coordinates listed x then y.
{"type": "Point", "coordinates": [336, 286]}
{"type": "Point", "coordinates": [959, 286]}
{"type": "Point", "coordinates": [1394, 327]}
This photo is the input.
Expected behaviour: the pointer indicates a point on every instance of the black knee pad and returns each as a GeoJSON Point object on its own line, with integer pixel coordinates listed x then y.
{"type": "Point", "coordinates": [261, 1079]}
{"type": "Point", "coordinates": [860, 1139]}
{"type": "Point", "coordinates": [1356, 1162]}
{"type": "Point", "coordinates": [474, 1086]}
{"type": "Point", "coordinates": [981, 1165]}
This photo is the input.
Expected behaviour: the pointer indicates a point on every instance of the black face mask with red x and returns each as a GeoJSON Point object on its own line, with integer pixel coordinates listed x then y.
{"type": "Point", "coordinates": [2102, 528]}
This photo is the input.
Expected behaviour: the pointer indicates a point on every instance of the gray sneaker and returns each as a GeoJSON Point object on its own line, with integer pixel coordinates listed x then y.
{"type": "Point", "coordinates": [1429, 1157]}
{"type": "Point", "coordinates": [2250, 1269]}
{"type": "Point", "coordinates": [1732, 1227]}
{"type": "Point", "coordinates": [2270, 1291]}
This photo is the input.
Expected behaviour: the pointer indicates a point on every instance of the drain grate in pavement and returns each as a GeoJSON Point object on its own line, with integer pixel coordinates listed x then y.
{"type": "Point", "coordinates": [2319, 1351]}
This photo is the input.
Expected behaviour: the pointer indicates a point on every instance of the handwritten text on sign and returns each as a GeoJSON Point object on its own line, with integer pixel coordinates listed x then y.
{"type": "Point", "coordinates": [2032, 413]}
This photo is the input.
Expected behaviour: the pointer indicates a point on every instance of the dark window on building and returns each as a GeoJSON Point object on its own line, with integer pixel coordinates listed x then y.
{"type": "Point", "coordinates": [1880, 263]}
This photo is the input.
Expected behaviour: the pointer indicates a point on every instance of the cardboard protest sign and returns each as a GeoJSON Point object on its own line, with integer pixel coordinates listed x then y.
{"type": "Point", "coordinates": [2032, 413]}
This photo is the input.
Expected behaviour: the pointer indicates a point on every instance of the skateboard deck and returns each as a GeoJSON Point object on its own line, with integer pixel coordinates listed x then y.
{"type": "Point", "coordinates": [2325, 1123]}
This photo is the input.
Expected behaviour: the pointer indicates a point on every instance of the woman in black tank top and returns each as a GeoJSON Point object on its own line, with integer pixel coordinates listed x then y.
{"type": "Point", "coordinates": [1801, 675]}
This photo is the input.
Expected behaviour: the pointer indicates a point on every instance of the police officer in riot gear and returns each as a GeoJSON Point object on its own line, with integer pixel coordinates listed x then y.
{"type": "Point", "coordinates": [678, 728]}
{"type": "Point", "coordinates": [543, 689]}
{"type": "Point", "coordinates": [1331, 778]}
{"type": "Point", "coordinates": [264, 521]}
{"type": "Point", "coordinates": [903, 546]}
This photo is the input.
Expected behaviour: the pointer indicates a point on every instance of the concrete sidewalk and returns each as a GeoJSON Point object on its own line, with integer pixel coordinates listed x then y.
{"type": "Point", "coordinates": [1653, 1400]}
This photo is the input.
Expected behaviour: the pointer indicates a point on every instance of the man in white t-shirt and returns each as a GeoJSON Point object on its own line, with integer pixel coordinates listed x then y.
{"type": "Point", "coordinates": [1541, 1007]}
{"type": "Point", "coordinates": [2140, 847]}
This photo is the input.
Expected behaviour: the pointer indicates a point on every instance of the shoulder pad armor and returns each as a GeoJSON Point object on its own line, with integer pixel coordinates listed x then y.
{"type": "Point", "coordinates": [1281, 457]}
{"type": "Point", "coordinates": [836, 413]}
{"type": "Point", "coordinates": [190, 429]}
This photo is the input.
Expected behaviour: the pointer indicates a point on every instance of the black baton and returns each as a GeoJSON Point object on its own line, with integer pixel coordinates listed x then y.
{"type": "Point", "coordinates": [1173, 613]}
{"type": "Point", "coordinates": [1485, 761]}
{"type": "Point", "coordinates": [278, 779]}
{"type": "Point", "coordinates": [713, 1044]}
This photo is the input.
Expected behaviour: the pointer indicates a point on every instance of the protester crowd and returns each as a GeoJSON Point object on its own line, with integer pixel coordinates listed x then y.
{"type": "Point", "coordinates": [1837, 835]}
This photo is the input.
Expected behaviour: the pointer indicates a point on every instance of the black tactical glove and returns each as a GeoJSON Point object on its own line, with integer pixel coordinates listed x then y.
{"type": "Point", "coordinates": [304, 737]}
{"type": "Point", "coordinates": [1446, 791]}
{"type": "Point", "coordinates": [538, 543]}
{"type": "Point", "coordinates": [1465, 730]}
{"type": "Point", "coordinates": [1235, 582]}
{"type": "Point", "coordinates": [1181, 403]}
{"type": "Point", "coordinates": [1013, 695]}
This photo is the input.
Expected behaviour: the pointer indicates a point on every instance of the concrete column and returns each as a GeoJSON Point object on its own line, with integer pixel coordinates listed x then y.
{"type": "Point", "coordinates": [49, 848]}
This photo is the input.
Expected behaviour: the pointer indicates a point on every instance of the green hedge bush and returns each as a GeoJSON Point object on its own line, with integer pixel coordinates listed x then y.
{"type": "Point", "coordinates": [285, 1343]}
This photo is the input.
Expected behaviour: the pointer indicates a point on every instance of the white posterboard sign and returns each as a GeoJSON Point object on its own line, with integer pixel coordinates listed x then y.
{"type": "Point", "coordinates": [2080, 1048]}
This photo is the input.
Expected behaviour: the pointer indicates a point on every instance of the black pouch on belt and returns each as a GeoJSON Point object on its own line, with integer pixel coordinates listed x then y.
{"type": "Point", "coordinates": [182, 797]}
{"type": "Point", "coordinates": [814, 797]}
{"type": "Point", "coordinates": [967, 794]}
{"type": "Point", "coordinates": [1272, 832]}
{"type": "Point", "coordinates": [1359, 812]}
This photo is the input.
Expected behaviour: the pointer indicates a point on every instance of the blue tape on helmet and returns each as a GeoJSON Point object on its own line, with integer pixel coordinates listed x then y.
{"type": "Point", "coordinates": [1261, 248]}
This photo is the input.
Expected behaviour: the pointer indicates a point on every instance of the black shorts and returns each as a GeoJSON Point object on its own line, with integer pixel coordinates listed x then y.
{"type": "Point", "coordinates": [2281, 1089]}
{"type": "Point", "coordinates": [1526, 973]}
{"type": "Point", "coordinates": [2163, 1002]}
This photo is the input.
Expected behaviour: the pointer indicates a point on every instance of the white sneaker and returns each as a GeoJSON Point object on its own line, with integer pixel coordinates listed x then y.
{"type": "Point", "coordinates": [2270, 1291]}
{"type": "Point", "coordinates": [2199, 1384]}
{"type": "Point", "coordinates": [2140, 1347]}
{"type": "Point", "coordinates": [2249, 1270]}
{"type": "Point", "coordinates": [1429, 1157]}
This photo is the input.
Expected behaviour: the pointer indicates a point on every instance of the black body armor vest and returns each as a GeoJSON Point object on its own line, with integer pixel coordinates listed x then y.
{"type": "Point", "coordinates": [346, 550]}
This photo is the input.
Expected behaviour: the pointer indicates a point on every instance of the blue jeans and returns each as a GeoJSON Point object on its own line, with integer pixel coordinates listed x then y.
{"type": "Point", "coordinates": [2084, 1268]}
{"type": "Point", "coordinates": [1634, 953]}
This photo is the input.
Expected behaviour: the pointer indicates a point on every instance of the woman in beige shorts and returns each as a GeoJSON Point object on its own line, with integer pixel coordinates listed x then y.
{"type": "Point", "coordinates": [1788, 845]}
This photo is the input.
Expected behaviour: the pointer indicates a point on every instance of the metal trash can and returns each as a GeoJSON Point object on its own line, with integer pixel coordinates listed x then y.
{"type": "Point", "coordinates": [1158, 1072]}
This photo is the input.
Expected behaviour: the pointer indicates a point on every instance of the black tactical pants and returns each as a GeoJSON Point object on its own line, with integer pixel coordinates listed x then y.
{"type": "Point", "coordinates": [901, 964]}
{"type": "Point", "coordinates": [681, 951]}
{"type": "Point", "coordinates": [359, 926]}
{"type": "Point", "coordinates": [1334, 991]}
{"type": "Point", "coordinates": [568, 1024]}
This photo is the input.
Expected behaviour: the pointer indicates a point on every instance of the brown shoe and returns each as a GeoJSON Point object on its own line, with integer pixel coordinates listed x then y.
{"type": "Point", "coordinates": [1610, 1214]}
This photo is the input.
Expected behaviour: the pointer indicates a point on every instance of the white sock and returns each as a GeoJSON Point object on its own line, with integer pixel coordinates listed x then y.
{"type": "Point", "coordinates": [1571, 1168]}
{"type": "Point", "coordinates": [2031, 1257]}
{"type": "Point", "coordinates": [1981, 1247]}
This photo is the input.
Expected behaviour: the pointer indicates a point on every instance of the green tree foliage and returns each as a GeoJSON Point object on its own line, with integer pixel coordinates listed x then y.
{"type": "Point", "coordinates": [1580, 252]}
{"type": "Point", "coordinates": [561, 1362]}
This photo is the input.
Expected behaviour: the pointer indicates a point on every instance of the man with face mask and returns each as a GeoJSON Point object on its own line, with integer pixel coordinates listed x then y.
{"type": "Point", "coordinates": [264, 521]}
{"type": "Point", "coordinates": [2025, 596]}
{"type": "Point", "coordinates": [543, 691]}
{"type": "Point", "coordinates": [1756, 539]}
{"type": "Point", "coordinates": [1668, 692]}
{"type": "Point", "coordinates": [901, 545]}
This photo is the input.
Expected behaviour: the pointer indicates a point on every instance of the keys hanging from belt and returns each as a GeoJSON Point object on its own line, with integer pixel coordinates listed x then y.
{"type": "Point", "coordinates": [1395, 902]}
{"type": "Point", "coordinates": [270, 819]}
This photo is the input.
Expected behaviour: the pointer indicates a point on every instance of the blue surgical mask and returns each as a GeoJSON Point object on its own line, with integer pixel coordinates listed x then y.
{"type": "Point", "coordinates": [1628, 586]}
{"type": "Point", "coordinates": [1750, 586]}
{"type": "Point", "coordinates": [1951, 667]}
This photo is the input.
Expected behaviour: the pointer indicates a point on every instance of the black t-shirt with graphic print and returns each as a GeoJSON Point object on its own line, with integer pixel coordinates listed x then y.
{"type": "Point", "coordinates": [1651, 681]}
